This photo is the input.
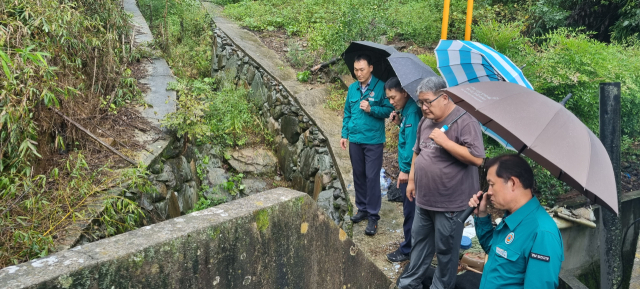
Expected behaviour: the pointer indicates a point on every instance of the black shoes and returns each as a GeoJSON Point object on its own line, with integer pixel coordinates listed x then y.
{"type": "Point", "coordinates": [397, 256]}
{"type": "Point", "coordinates": [372, 227]}
{"type": "Point", "coordinates": [361, 215]}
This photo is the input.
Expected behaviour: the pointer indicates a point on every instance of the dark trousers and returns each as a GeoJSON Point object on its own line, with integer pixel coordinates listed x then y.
{"type": "Point", "coordinates": [366, 161]}
{"type": "Point", "coordinates": [409, 210]}
{"type": "Point", "coordinates": [433, 233]}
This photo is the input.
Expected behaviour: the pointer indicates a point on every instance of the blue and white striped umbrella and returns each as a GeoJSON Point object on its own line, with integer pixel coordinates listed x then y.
{"type": "Point", "coordinates": [462, 62]}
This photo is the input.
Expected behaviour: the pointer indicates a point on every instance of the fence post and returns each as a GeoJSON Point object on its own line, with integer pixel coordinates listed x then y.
{"type": "Point", "coordinates": [609, 222]}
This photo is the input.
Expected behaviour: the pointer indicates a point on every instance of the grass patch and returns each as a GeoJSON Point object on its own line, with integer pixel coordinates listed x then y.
{"type": "Point", "coordinates": [35, 210]}
{"type": "Point", "coordinates": [329, 25]}
{"type": "Point", "coordinates": [337, 97]}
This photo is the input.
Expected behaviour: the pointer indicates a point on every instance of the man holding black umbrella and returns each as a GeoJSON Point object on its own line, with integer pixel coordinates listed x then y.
{"type": "Point", "coordinates": [365, 110]}
{"type": "Point", "coordinates": [444, 175]}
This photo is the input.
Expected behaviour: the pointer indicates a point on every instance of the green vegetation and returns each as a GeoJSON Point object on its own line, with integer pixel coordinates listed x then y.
{"type": "Point", "coordinates": [182, 31]}
{"type": "Point", "coordinates": [262, 219]}
{"type": "Point", "coordinates": [329, 25]}
{"type": "Point", "coordinates": [214, 111]}
{"type": "Point", "coordinates": [563, 53]}
{"type": "Point", "coordinates": [50, 52]}
{"type": "Point", "coordinates": [337, 98]}
{"type": "Point", "coordinates": [211, 115]}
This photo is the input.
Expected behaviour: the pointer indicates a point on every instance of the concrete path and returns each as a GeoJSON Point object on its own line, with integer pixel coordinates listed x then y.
{"type": "Point", "coordinates": [312, 99]}
{"type": "Point", "coordinates": [159, 100]}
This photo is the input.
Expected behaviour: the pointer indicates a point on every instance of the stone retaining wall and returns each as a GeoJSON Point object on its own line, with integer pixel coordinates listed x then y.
{"type": "Point", "coordinates": [304, 156]}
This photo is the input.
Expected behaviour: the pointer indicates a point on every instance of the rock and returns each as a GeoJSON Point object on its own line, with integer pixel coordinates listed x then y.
{"type": "Point", "coordinates": [337, 193]}
{"type": "Point", "coordinates": [163, 209]}
{"type": "Point", "coordinates": [258, 91]}
{"type": "Point", "coordinates": [253, 160]}
{"type": "Point", "coordinates": [302, 184]}
{"type": "Point", "coordinates": [325, 200]}
{"type": "Point", "coordinates": [253, 185]}
{"type": "Point", "coordinates": [317, 186]}
{"type": "Point", "coordinates": [277, 112]}
{"type": "Point", "coordinates": [167, 177]}
{"type": "Point", "coordinates": [146, 202]}
{"type": "Point", "coordinates": [192, 167]}
{"type": "Point", "coordinates": [189, 197]}
{"type": "Point", "coordinates": [307, 159]}
{"type": "Point", "coordinates": [290, 129]}
{"type": "Point", "coordinates": [340, 204]}
{"type": "Point", "coordinates": [156, 167]}
{"type": "Point", "coordinates": [231, 70]}
{"type": "Point", "coordinates": [215, 178]}
{"type": "Point", "coordinates": [161, 192]}
{"type": "Point", "coordinates": [273, 126]}
{"type": "Point", "coordinates": [251, 73]}
{"type": "Point", "coordinates": [286, 158]}
{"type": "Point", "coordinates": [174, 206]}
{"type": "Point", "coordinates": [221, 61]}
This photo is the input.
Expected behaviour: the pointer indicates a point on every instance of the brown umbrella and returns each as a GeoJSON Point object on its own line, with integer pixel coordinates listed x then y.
{"type": "Point", "coordinates": [544, 131]}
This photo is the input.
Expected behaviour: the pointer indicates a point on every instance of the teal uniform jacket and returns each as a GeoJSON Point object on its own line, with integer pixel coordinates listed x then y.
{"type": "Point", "coordinates": [359, 126]}
{"type": "Point", "coordinates": [525, 250]}
{"type": "Point", "coordinates": [411, 115]}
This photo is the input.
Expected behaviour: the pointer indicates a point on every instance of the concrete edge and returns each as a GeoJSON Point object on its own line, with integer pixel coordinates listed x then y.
{"type": "Point", "coordinates": [128, 244]}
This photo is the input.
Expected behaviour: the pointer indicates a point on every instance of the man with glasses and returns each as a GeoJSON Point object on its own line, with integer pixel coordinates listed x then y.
{"type": "Point", "coordinates": [365, 109]}
{"type": "Point", "coordinates": [442, 179]}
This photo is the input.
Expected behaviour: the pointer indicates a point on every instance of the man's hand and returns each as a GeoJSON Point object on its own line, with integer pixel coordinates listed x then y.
{"type": "Point", "coordinates": [411, 191]}
{"type": "Point", "coordinates": [402, 178]}
{"type": "Point", "coordinates": [481, 206]}
{"type": "Point", "coordinates": [343, 143]}
{"type": "Point", "coordinates": [395, 118]}
{"type": "Point", "coordinates": [438, 137]}
{"type": "Point", "coordinates": [364, 105]}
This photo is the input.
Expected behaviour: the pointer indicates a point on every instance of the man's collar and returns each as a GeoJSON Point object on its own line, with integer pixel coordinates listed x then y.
{"type": "Point", "coordinates": [368, 82]}
{"type": "Point", "coordinates": [514, 219]}
{"type": "Point", "coordinates": [408, 105]}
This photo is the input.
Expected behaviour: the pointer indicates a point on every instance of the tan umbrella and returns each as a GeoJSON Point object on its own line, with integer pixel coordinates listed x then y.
{"type": "Point", "coordinates": [544, 131]}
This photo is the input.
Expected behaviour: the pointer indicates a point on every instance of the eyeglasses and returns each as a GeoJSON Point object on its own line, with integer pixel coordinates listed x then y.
{"type": "Point", "coordinates": [428, 103]}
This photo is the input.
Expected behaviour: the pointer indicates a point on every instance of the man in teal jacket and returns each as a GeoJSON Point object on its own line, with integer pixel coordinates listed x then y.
{"type": "Point", "coordinates": [365, 109]}
{"type": "Point", "coordinates": [408, 121]}
{"type": "Point", "coordinates": [525, 250]}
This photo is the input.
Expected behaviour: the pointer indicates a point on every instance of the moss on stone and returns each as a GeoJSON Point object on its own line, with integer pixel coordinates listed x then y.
{"type": "Point", "coordinates": [262, 220]}
{"type": "Point", "coordinates": [215, 233]}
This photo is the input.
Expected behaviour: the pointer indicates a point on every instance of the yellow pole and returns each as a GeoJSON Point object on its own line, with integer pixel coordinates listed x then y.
{"type": "Point", "coordinates": [467, 29]}
{"type": "Point", "coordinates": [445, 19]}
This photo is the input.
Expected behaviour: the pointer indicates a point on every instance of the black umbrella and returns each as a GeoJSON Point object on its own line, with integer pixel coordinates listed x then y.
{"type": "Point", "coordinates": [410, 70]}
{"type": "Point", "coordinates": [378, 53]}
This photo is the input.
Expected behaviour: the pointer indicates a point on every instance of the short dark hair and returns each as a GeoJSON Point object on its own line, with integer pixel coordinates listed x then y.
{"type": "Point", "coordinates": [393, 84]}
{"type": "Point", "coordinates": [364, 57]}
{"type": "Point", "coordinates": [512, 165]}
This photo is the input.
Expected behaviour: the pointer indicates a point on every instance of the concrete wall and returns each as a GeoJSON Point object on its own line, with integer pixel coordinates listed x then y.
{"type": "Point", "coordinates": [304, 156]}
{"type": "Point", "coordinates": [275, 239]}
{"type": "Point", "coordinates": [582, 245]}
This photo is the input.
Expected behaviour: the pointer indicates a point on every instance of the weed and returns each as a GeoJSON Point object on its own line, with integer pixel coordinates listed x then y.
{"type": "Point", "coordinates": [234, 184]}
{"type": "Point", "coordinates": [303, 76]}
{"type": "Point", "coordinates": [336, 99]}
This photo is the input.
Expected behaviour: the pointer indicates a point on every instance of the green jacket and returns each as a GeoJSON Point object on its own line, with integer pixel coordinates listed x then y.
{"type": "Point", "coordinates": [525, 250]}
{"type": "Point", "coordinates": [411, 115]}
{"type": "Point", "coordinates": [362, 127]}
